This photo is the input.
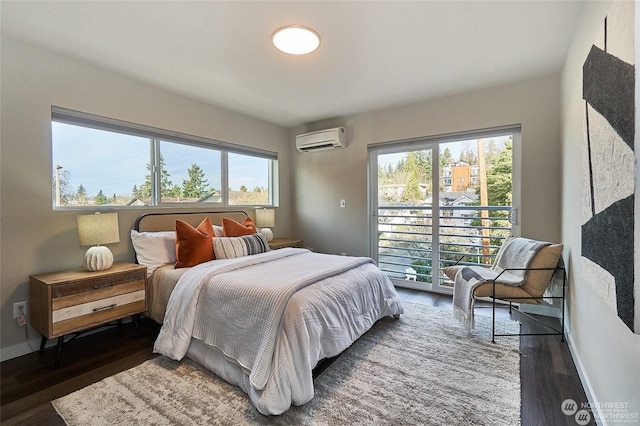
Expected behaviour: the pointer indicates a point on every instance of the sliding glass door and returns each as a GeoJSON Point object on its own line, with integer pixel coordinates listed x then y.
{"type": "Point", "coordinates": [441, 201]}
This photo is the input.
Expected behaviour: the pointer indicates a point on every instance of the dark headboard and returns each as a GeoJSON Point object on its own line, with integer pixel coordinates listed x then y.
{"type": "Point", "coordinates": [166, 221]}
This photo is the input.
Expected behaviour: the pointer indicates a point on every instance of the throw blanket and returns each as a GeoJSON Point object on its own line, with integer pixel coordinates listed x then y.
{"type": "Point", "coordinates": [248, 296]}
{"type": "Point", "coordinates": [516, 252]}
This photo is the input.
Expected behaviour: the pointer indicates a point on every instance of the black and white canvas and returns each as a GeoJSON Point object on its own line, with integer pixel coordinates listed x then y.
{"type": "Point", "coordinates": [608, 248]}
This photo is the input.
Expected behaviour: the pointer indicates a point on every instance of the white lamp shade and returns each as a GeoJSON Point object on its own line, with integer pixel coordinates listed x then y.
{"type": "Point", "coordinates": [265, 218]}
{"type": "Point", "coordinates": [95, 229]}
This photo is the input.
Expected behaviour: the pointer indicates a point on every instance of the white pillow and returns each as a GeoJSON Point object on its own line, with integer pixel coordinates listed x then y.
{"type": "Point", "coordinates": [232, 247]}
{"type": "Point", "coordinates": [154, 249]}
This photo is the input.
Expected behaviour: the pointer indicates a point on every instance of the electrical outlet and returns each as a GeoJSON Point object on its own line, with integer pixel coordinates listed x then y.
{"type": "Point", "coordinates": [17, 311]}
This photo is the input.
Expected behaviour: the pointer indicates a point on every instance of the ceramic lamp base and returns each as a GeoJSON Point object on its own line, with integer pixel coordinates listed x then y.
{"type": "Point", "coordinates": [267, 233]}
{"type": "Point", "coordinates": [98, 258]}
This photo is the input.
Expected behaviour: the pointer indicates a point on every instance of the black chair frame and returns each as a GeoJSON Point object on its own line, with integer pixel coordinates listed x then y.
{"type": "Point", "coordinates": [554, 331]}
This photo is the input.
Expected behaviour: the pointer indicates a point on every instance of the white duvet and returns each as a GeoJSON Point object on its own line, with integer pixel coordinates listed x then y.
{"type": "Point", "coordinates": [264, 321]}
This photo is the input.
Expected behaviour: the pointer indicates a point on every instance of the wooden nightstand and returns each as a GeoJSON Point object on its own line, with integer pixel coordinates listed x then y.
{"type": "Point", "coordinates": [278, 243]}
{"type": "Point", "coordinates": [68, 302]}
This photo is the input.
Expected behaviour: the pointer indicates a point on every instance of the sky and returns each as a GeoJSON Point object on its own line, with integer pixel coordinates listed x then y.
{"type": "Point", "coordinates": [455, 147]}
{"type": "Point", "coordinates": [114, 162]}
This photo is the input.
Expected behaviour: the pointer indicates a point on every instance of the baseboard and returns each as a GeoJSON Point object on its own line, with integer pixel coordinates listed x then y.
{"type": "Point", "coordinates": [584, 378]}
{"type": "Point", "coordinates": [33, 345]}
{"type": "Point", "coordinates": [24, 348]}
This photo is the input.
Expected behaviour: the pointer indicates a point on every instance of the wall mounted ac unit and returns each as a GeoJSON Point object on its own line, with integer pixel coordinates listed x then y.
{"type": "Point", "coordinates": [322, 140]}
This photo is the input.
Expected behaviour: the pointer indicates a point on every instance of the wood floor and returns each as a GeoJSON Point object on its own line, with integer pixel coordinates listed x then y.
{"type": "Point", "coordinates": [29, 383]}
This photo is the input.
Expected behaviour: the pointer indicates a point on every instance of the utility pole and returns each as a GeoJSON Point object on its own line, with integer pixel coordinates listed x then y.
{"type": "Point", "coordinates": [58, 167]}
{"type": "Point", "coordinates": [484, 201]}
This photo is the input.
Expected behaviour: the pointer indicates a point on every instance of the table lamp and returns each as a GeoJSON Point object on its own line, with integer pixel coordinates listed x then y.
{"type": "Point", "coordinates": [265, 219]}
{"type": "Point", "coordinates": [94, 230]}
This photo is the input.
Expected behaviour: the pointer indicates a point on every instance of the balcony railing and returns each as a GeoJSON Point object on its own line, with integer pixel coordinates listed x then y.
{"type": "Point", "coordinates": [407, 245]}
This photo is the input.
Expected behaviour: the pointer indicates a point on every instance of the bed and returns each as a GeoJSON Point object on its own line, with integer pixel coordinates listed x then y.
{"type": "Point", "coordinates": [261, 321]}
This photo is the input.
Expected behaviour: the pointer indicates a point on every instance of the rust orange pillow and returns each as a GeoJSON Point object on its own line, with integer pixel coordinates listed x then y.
{"type": "Point", "coordinates": [231, 228]}
{"type": "Point", "coordinates": [193, 245]}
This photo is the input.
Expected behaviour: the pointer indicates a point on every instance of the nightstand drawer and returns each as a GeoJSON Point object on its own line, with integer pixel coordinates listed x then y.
{"type": "Point", "coordinates": [82, 316]}
{"type": "Point", "coordinates": [90, 285]}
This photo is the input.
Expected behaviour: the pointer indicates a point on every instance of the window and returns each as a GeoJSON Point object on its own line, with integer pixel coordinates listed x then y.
{"type": "Point", "coordinates": [245, 188]}
{"type": "Point", "coordinates": [442, 200]}
{"type": "Point", "coordinates": [103, 162]}
{"type": "Point", "coordinates": [190, 174]}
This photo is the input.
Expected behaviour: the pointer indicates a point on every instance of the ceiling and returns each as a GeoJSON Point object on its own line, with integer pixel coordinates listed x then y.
{"type": "Point", "coordinates": [373, 55]}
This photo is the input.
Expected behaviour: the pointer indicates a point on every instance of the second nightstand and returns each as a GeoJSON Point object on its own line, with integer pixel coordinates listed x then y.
{"type": "Point", "coordinates": [278, 243]}
{"type": "Point", "coordinates": [68, 302]}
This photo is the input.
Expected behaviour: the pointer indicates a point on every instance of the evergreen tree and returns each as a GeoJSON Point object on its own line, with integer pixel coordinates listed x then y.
{"type": "Point", "coordinates": [100, 199]}
{"type": "Point", "coordinates": [424, 164]}
{"type": "Point", "coordinates": [445, 158]}
{"type": "Point", "coordinates": [81, 194]}
{"type": "Point", "coordinates": [499, 190]}
{"type": "Point", "coordinates": [174, 192]}
{"type": "Point", "coordinates": [412, 185]}
{"type": "Point", "coordinates": [166, 186]}
{"type": "Point", "coordinates": [196, 185]}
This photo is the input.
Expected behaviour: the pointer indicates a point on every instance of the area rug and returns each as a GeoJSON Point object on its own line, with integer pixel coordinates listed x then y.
{"type": "Point", "coordinates": [423, 369]}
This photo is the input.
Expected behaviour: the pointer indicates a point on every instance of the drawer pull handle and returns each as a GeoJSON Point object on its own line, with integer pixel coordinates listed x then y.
{"type": "Point", "coordinates": [97, 286]}
{"type": "Point", "coordinates": [113, 305]}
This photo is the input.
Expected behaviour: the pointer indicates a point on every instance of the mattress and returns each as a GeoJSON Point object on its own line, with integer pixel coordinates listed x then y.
{"type": "Point", "coordinates": [319, 320]}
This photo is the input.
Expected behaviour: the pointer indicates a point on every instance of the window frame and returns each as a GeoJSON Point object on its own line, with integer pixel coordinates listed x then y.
{"type": "Point", "coordinates": [434, 143]}
{"type": "Point", "coordinates": [156, 136]}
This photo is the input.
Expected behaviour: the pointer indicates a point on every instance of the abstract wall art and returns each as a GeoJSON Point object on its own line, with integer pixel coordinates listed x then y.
{"type": "Point", "coordinates": [608, 246]}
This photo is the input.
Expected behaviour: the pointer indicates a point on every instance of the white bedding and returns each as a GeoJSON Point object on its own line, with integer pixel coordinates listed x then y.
{"type": "Point", "coordinates": [321, 304]}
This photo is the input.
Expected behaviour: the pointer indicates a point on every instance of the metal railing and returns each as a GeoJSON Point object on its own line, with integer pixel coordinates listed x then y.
{"type": "Point", "coordinates": [407, 247]}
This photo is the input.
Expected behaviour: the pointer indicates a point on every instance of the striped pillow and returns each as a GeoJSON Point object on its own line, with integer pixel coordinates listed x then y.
{"type": "Point", "coordinates": [247, 245]}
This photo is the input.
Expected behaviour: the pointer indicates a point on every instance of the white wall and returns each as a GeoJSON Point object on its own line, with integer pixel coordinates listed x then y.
{"type": "Point", "coordinates": [606, 351]}
{"type": "Point", "coordinates": [321, 179]}
{"type": "Point", "coordinates": [36, 239]}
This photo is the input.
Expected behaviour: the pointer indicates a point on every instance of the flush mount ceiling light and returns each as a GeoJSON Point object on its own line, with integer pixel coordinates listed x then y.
{"type": "Point", "coordinates": [296, 39]}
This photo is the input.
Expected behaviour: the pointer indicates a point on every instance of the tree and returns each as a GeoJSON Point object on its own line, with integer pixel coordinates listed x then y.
{"type": "Point", "coordinates": [81, 195]}
{"type": "Point", "coordinates": [445, 158]}
{"type": "Point", "coordinates": [243, 188]}
{"type": "Point", "coordinates": [423, 268]}
{"type": "Point", "coordinates": [424, 164]}
{"type": "Point", "coordinates": [166, 186]}
{"type": "Point", "coordinates": [64, 181]}
{"type": "Point", "coordinates": [499, 188]}
{"type": "Point", "coordinates": [174, 192]}
{"type": "Point", "coordinates": [468, 156]}
{"type": "Point", "coordinates": [411, 191]}
{"type": "Point", "coordinates": [100, 199]}
{"type": "Point", "coordinates": [196, 186]}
